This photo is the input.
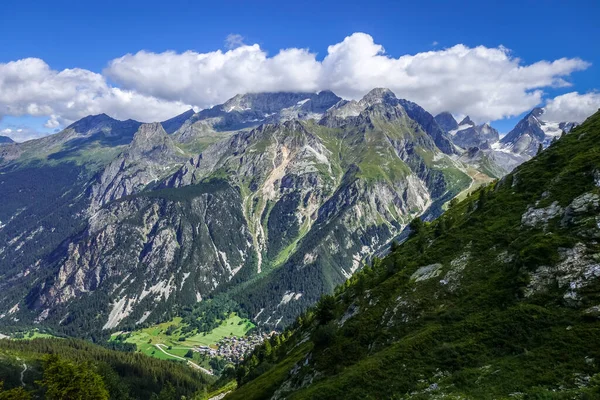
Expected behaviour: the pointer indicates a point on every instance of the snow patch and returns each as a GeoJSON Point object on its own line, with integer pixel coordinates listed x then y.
{"type": "Point", "coordinates": [551, 129]}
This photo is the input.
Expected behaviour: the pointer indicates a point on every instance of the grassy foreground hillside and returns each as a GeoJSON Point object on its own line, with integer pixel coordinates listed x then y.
{"type": "Point", "coordinates": [497, 299]}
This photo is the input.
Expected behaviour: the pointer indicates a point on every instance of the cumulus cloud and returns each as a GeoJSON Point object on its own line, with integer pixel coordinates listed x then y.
{"type": "Point", "coordinates": [485, 83]}
{"type": "Point", "coordinates": [30, 87]}
{"type": "Point", "coordinates": [572, 107]}
{"type": "Point", "coordinates": [205, 79]}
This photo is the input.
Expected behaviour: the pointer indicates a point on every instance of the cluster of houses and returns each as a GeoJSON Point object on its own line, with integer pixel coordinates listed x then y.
{"type": "Point", "coordinates": [233, 348]}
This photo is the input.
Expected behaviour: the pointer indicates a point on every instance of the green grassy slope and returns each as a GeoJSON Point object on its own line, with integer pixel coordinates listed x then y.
{"type": "Point", "coordinates": [170, 334]}
{"type": "Point", "coordinates": [497, 299]}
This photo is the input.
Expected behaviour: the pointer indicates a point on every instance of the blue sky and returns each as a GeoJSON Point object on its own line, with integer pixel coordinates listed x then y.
{"type": "Point", "coordinates": [77, 34]}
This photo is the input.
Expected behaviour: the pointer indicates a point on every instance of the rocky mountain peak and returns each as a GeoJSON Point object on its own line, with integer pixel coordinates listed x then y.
{"type": "Point", "coordinates": [148, 134]}
{"type": "Point", "coordinates": [6, 140]}
{"type": "Point", "coordinates": [102, 123]}
{"type": "Point", "coordinates": [466, 121]}
{"type": "Point", "coordinates": [475, 136]}
{"type": "Point", "coordinates": [272, 102]}
{"type": "Point", "coordinates": [91, 122]}
{"type": "Point", "coordinates": [172, 124]}
{"type": "Point", "coordinates": [428, 124]}
{"type": "Point", "coordinates": [152, 141]}
{"type": "Point", "coordinates": [532, 131]}
{"type": "Point", "coordinates": [537, 112]}
{"type": "Point", "coordinates": [446, 121]}
{"type": "Point", "coordinates": [378, 96]}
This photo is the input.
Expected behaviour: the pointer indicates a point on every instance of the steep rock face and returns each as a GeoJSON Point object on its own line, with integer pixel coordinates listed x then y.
{"type": "Point", "coordinates": [429, 124]}
{"type": "Point", "coordinates": [446, 121]}
{"type": "Point", "coordinates": [149, 157]}
{"type": "Point", "coordinates": [358, 219]}
{"type": "Point", "coordinates": [250, 110]}
{"type": "Point", "coordinates": [527, 134]}
{"type": "Point", "coordinates": [372, 202]}
{"type": "Point", "coordinates": [466, 121]}
{"type": "Point", "coordinates": [493, 162]}
{"type": "Point", "coordinates": [481, 136]}
{"type": "Point", "coordinates": [532, 131]}
{"type": "Point", "coordinates": [345, 109]}
{"type": "Point", "coordinates": [170, 246]}
{"type": "Point", "coordinates": [499, 157]}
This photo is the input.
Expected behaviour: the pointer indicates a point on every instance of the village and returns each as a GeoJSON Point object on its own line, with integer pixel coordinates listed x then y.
{"type": "Point", "coordinates": [233, 348]}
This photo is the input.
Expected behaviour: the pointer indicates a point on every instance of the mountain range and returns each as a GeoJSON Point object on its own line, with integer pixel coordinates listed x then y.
{"type": "Point", "coordinates": [268, 201]}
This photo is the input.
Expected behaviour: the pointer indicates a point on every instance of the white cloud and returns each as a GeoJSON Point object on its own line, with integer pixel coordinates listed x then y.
{"type": "Point", "coordinates": [30, 87]}
{"type": "Point", "coordinates": [205, 79]}
{"type": "Point", "coordinates": [485, 83]}
{"type": "Point", "coordinates": [53, 122]}
{"type": "Point", "coordinates": [572, 107]}
{"type": "Point", "coordinates": [435, 43]}
{"type": "Point", "coordinates": [234, 40]}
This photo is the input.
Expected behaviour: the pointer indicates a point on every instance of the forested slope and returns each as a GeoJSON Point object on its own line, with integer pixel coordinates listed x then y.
{"type": "Point", "coordinates": [75, 369]}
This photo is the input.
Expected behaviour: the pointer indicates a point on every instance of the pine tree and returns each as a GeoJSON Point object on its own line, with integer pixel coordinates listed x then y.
{"type": "Point", "coordinates": [416, 226]}
{"type": "Point", "coordinates": [66, 380]}
{"type": "Point", "coordinates": [540, 149]}
{"type": "Point", "coordinates": [482, 198]}
{"type": "Point", "coordinates": [325, 309]}
{"type": "Point", "coordinates": [17, 393]}
{"type": "Point", "coordinates": [268, 350]}
{"type": "Point", "coordinates": [440, 228]}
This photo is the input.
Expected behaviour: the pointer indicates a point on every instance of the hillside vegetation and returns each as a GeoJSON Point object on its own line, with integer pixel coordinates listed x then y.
{"type": "Point", "coordinates": [75, 369]}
